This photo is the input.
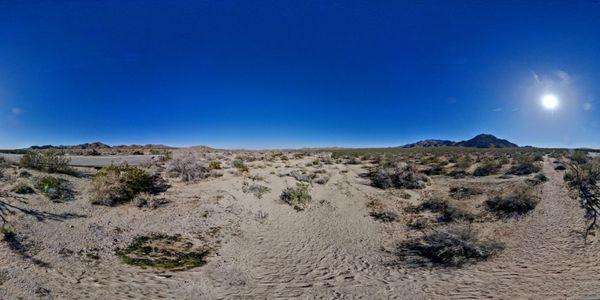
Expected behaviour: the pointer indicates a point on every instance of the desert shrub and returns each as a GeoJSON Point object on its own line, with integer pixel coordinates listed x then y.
{"type": "Point", "coordinates": [517, 203]}
{"type": "Point", "coordinates": [400, 177]}
{"type": "Point", "coordinates": [487, 168]}
{"type": "Point", "coordinates": [187, 168]}
{"type": "Point", "coordinates": [419, 222]}
{"type": "Point", "coordinates": [215, 165]}
{"type": "Point", "coordinates": [22, 187]}
{"type": "Point", "coordinates": [118, 184]}
{"type": "Point", "coordinates": [49, 161]}
{"type": "Point", "coordinates": [171, 252]}
{"type": "Point", "coordinates": [56, 189]}
{"type": "Point", "coordinates": [560, 168]}
{"type": "Point", "coordinates": [301, 176]}
{"type": "Point", "coordinates": [148, 200]}
{"type": "Point", "coordinates": [323, 179]}
{"type": "Point", "coordinates": [453, 247]}
{"type": "Point", "coordinates": [448, 211]}
{"type": "Point", "coordinates": [524, 167]}
{"type": "Point", "coordinates": [537, 179]}
{"type": "Point", "coordinates": [579, 156]}
{"type": "Point", "coordinates": [457, 173]}
{"type": "Point", "coordinates": [255, 189]}
{"type": "Point", "coordinates": [240, 166]}
{"type": "Point", "coordinates": [436, 169]}
{"type": "Point", "coordinates": [462, 192]}
{"type": "Point", "coordinates": [298, 197]}
{"type": "Point", "coordinates": [385, 215]}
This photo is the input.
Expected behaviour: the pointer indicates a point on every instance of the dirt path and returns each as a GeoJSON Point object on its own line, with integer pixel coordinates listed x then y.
{"type": "Point", "coordinates": [544, 258]}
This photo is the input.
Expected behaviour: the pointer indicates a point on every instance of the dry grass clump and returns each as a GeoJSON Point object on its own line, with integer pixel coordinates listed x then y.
{"type": "Point", "coordinates": [516, 203]}
{"type": "Point", "coordinates": [451, 247]}
{"type": "Point", "coordinates": [56, 189]}
{"type": "Point", "coordinates": [187, 168]}
{"type": "Point", "coordinates": [298, 197]}
{"type": "Point", "coordinates": [171, 252]}
{"type": "Point", "coordinates": [22, 187]}
{"type": "Point", "coordinates": [419, 222]}
{"type": "Point", "coordinates": [256, 189]}
{"type": "Point", "coordinates": [147, 200]}
{"type": "Point", "coordinates": [537, 179]}
{"type": "Point", "coordinates": [49, 162]}
{"type": "Point", "coordinates": [119, 184]}
{"type": "Point", "coordinates": [405, 176]}
{"type": "Point", "coordinates": [215, 165]}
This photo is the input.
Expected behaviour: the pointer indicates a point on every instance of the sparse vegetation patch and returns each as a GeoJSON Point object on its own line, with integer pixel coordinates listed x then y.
{"type": "Point", "coordinates": [172, 252]}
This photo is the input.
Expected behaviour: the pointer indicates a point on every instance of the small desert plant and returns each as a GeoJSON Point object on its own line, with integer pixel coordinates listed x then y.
{"type": "Point", "coordinates": [56, 189]}
{"type": "Point", "coordinates": [255, 189]}
{"type": "Point", "coordinates": [50, 162]}
{"type": "Point", "coordinates": [215, 165]}
{"type": "Point", "coordinates": [162, 252]}
{"type": "Point", "coordinates": [385, 215]}
{"type": "Point", "coordinates": [298, 197]}
{"type": "Point", "coordinates": [452, 247]}
{"type": "Point", "coordinates": [22, 187]}
{"type": "Point", "coordinates": [487, 168]}
{"type": "Point", "coordinates": [118, 184]}
{"type": "Point", "coordinates": [301, 175]}
{"type": "Point", "coordinates": [517, 203]}
{"type": "Point", "coordinates": [537, 179]}
{"type": "Point", "coordinates": [449, 211]}
{"type": "Point", "coordinates": [187, 168]}
{"type": "Point", "coordinates": [419, 222]}
{"type": "Point", "coordinates": [148, 200]}
{"type": "Point", "coordinates": [462, 192]}
{"type": "Point", "coordinates": [323, 179]}
{"type": "Point", "coordinates": [524, 166]}
{"type": "Point", "coordinates": [400, 177]}
{"type": "Point", "coordinates": [240, 166]}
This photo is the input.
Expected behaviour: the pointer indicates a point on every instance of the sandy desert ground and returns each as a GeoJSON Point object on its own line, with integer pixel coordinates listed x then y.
{"type": "Point", "coordinates": [260, 247]}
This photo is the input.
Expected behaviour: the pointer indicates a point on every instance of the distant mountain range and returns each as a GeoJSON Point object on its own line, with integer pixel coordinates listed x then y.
{"type": "Point", "coordinates": [480, 141]}
{"type": "Point", "coordinates": [99, 146]}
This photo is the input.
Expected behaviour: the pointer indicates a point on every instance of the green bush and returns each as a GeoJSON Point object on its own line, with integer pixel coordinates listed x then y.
{"type": "Point", "coordinates": [49, 161]}
{"type": "Point", "coordinates": [487, 168]}
{"type": "Point", "coordinates": [56, 189]}
{"type": "Point", "coordinates": [297, 197]}
{"type": "Point", "coordinates": [118, 184]}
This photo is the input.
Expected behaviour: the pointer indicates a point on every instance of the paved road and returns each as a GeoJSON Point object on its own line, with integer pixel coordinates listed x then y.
{"type": "Point", "coordinates": [95, 161]}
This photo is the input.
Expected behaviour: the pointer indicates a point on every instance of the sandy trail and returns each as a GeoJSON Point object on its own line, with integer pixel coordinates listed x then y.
{"type": "Point", "coordinates": [544, 257]}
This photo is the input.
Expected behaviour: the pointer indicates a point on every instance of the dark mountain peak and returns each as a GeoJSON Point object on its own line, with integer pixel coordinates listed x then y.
{"type": "Point", "coordinates": [479, 141]}
{"type": "Point", "coordinates": [486, 141]}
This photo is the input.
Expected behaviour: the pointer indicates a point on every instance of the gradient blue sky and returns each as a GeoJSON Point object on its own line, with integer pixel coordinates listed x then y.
{"type": "Point", "coordinates": [266, 74]}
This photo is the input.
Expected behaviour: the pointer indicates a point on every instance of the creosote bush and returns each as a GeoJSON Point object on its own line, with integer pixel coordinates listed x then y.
{"type": "Point", "coordinates": [487, 168]}
{"type": "Point", "coordinates": [187, 168]}
{"type": "Point", "coordinates": [449, 211]}
{"type": "Point", "coordinates": [56, 189]}
{"type": "Point", "coordinates": [405, 176]}
{"type": "Point", "coordinates": [160, 251]}
{"type": "Point", "coordinates": [451, 247]}
{"type": "Point", "coordinates": [22, 187]}
{"type": "Point", "coordinates": [119, 184]}
{"type": "Point", "coordinates": [524, 166]}
{"type": "Point", "coordinates": [385, 215]}
{"type": "Point", "coordinates": [49, 162]}
{"type": "Point", "coordinates": [298, 197]}
{"type": "Point", "coordinates": [240, 166]}
{"type": "Point", "coordinates": [519, 202]}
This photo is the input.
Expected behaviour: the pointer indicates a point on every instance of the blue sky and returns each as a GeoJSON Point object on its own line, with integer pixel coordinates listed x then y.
{"type": "Point", "coordinates": [267, 74]}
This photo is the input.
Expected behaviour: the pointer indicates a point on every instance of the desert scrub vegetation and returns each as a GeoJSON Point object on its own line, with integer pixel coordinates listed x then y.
{"type": "Point", "coordinates": [119, 184]}
{"type": "Point", "coordinates": [22, 187]}
{"type": "Point", "coordinates": [49, 162]}
{"type": "Point", "coordinates": [404, 176]}
{"type": "Point", "coordinates": [450, 247]}
{"type": "Point", "coordinates": [255, 189]}
{"type": "Point", "coordinates": [525, 166]}
{"type": "Point", "coordinates": [486, 168]}
{"type": "Point", "coordinates": [160, 251]}
{"type": "Point", "coordinates": [386, 215]}
{"type": "Point", "coordinates": [240, 165]}
{"type": "Point", "coordinates": [298, 197]}
{"type": "Point", "coordinates": [516, 203]}
{"type": "Point", "coordinates": [187, 168]}
{"type": "Point", "coordinates": [462, 192]}
{"type": "Point", "coordinates": [56, 189]}
{"type": "Point", "coordinates": [583, 179]}
{"type": "Point", "coordinates": [448, 211]}
{"type": "Point", "coordinates": [215, 165]}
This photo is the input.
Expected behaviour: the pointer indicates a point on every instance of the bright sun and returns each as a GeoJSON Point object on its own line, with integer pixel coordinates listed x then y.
{"type": "Point", "coordinates": [549, 101]}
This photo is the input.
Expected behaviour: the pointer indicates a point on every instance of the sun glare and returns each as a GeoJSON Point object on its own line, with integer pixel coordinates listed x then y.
{"type": "Point", "coordinates": [550, 101]}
